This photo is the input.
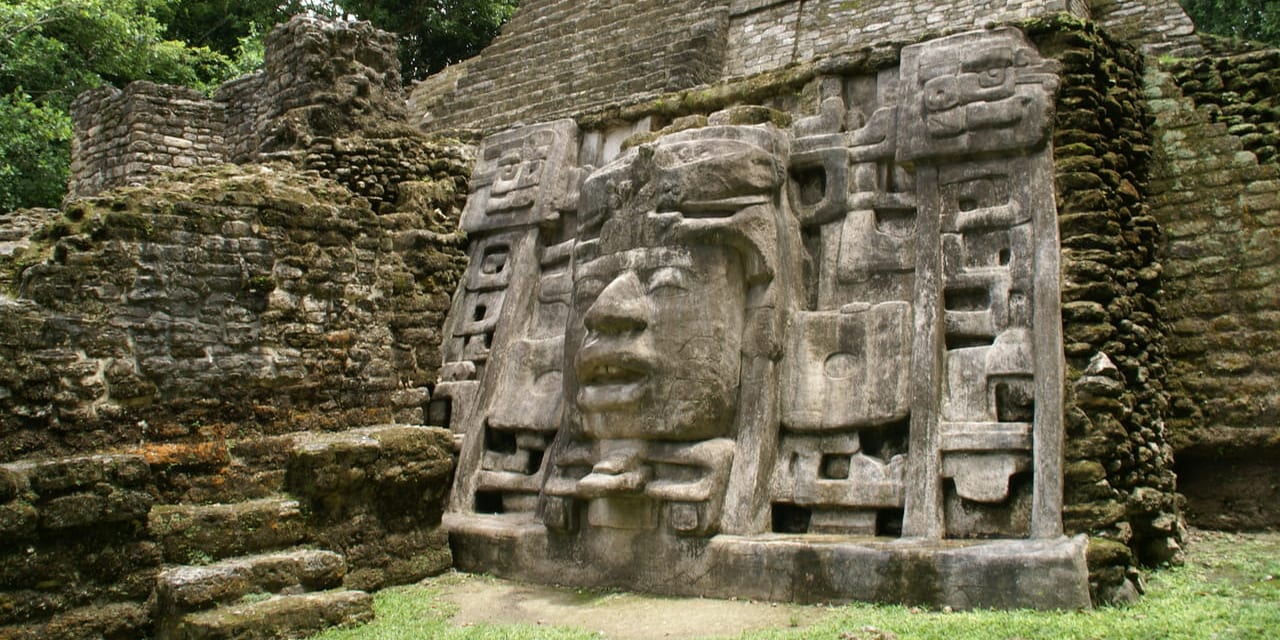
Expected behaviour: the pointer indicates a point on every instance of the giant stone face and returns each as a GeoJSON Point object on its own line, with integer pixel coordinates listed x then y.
{"type": "Point", "coordinates": [662, 330]}
{"type": "Point", "coordinates": [813, 362]}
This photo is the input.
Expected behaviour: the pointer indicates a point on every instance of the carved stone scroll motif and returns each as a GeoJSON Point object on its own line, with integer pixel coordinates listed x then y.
{"type": "Point", "coordinates": [977, 116]}
{"type": "Point", "coordinates": [735, 356]}
{"type": "Point", "coordinates": [513, 301]}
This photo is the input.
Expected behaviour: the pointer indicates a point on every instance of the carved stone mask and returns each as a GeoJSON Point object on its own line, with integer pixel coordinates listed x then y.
{"type": "Point", "coordinates": [674, 237]}
{"type": "Point", "coordinates": [661, 352]}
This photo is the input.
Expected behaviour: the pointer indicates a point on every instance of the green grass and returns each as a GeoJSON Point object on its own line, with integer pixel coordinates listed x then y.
{"type": "Point", "coordinates": [1229, 588]}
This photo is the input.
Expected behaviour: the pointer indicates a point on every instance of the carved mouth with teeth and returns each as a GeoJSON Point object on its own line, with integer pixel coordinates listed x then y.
{"type": "Point", "coordinates": [611, 380]}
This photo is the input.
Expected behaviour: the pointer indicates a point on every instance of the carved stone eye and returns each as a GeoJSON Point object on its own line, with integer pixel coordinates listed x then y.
{"type": "Point", "coordinates": [509, 168]}
{"type": "Point", "coordinates": [941, 94]}
{"type": "Point", "coordinates": [668, 281]}
{"type": "Point", "coordinates": [993, 77]}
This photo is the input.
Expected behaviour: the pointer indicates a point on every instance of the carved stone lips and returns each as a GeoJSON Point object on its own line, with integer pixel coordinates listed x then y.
{"type": "Point", "coordinates": [611, 379]}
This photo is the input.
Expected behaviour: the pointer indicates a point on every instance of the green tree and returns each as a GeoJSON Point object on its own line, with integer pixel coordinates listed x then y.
{"type": "Point", "coordinates": [228, 26]}
{"type": "Point", "coordinates": [34, 143]}
{"type": "Point", "coordinates": [434, 33]}
{"type": "Point", "coordinates": [50, 52]}
{"type": "Point", "coordinates": [1248, 19]}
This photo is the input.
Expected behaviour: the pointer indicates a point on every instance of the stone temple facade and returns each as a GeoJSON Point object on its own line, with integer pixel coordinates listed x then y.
{"type": "Point", "coordinates": [790, 300]}
{"type": "Point", "coordinates": [739, 356]}
{"type": "Point", "coordinates": [934, 346]}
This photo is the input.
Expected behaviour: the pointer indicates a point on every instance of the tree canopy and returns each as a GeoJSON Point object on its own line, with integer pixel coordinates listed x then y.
{"type": "Point", "coordinates": [434, 33]}
{"type": "Point", "coordinates": [1247, 19]}
{"type": "Point", "coordinates": [50, 52]}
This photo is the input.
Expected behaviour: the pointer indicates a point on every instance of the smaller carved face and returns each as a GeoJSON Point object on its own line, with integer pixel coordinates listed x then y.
{"type": "Point", "coordinates": [661, 351]}
{"type": "Point", "coordinates": [518, 170]}
{"type": "Point", "coordinates": [987, 77]}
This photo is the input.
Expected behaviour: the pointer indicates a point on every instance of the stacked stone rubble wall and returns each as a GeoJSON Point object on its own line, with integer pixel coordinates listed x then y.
{"type": "Point", "coordinates": [1119, 485]}
{"type": "Point", "coordinates": [334, 73]}
{"type": "Point", "coordinates": [1217, 193]}
{"type": "Point", "coordinates": [81, 547]}
{"type": "Point", "coordinates": [73, 544]}
{"type": "Point", "coordinates": [237, 301]}
{"type": "Point", "coordinates": [226, 334]}
{"type": "Point", "coordinates": [127, 136]}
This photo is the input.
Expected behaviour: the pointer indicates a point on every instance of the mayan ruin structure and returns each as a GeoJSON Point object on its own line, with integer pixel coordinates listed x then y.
{"type": "Point", "coordinates": [943, 304]}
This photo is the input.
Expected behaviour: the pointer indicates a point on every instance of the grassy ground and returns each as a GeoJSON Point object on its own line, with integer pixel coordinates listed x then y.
{"type": "Point", "coordinates": [1229, 588]}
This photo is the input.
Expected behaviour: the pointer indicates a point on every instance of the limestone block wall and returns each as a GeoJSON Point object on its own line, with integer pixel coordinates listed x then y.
{"type": "Point", "coordinates": [1159, 27]}
{"type": "Point", "coordinates": [125, 136]}
{"type": "Point", "coordinates": [559, 58]}
{"type": "Point", "coordinates": [1217, 194]}
{"type": "Point", "coordinates": [769, 34]}
{"type": "Point", "coordinates": [242, 114]}
{"type": "Point", "coordinates": [235, 301]}
{"type": "Point", "coordinates": [318, 77]}
{"type": "Point", "coordinates": [556, 57]}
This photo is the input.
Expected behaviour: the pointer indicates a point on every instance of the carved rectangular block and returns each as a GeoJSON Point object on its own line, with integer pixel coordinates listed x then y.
{"type": "Point", "coordinates": [848, 368]}
{"type": "Point", "coordinates": [522, 177]}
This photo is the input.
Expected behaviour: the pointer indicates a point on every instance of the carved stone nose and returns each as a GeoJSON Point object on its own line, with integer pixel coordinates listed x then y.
{"type": "Point", "coordinates": [621, 308]}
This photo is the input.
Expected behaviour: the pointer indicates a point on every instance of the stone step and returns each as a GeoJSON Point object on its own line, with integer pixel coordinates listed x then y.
{"type": "Point", "coordinates": [245, 469]}
{"type": "Point", "coordinates": [193, 534]}
{"type": "Point", "coordinates": [284, 616]}
{"type": "Point", "coordinates": [189, 588]}
{"type": "Point", "coordinates": [103, 620]}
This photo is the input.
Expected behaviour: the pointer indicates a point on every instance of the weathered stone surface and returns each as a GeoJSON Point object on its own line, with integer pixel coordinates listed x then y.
{"type": "Point", "coordinates": [193, 321]}
{"type": "Point", "coordinates": [526, 76]}
{"type": "Point", "coordinates": [190, 533]}
{"type": "Point", "coordinates": [288, 616]}
{"type": "Point", "coordinates": [376, 495]}
{"type": "Point", "coordinates": [319, 78]}
{"type": "Point", "coordinates": [56, 574]}
{"type": "Point", "coordinates": [1218, 199]}
{"type": "Point", "coordinates": [197, 587]}
{"type": "Point", "coordinates": [16, 227]}
{"type": "Point", "coordinates": [226, 303]}
{"type": "Point", "coordinates": [846, 327]}
{"type": "Point", "coordinates": [399, 472]}
{"type": "Point", "coordinates": [996, 574]}
{"type": "Point", "coordinates": [870, 269]}
{"type": "Point", "coordinates": [116, 621]}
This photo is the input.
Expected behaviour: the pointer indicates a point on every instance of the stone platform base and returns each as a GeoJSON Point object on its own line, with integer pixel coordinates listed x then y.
{"type": "Point", "coordinates": [1003, 574]}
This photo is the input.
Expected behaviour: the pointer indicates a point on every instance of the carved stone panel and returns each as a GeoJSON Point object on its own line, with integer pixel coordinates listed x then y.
{"type": "Point", "coordinates": [735, 343]}
{"type": "Point", "coordinates": [848, 368]}
{"type": "Point", "coordinates": [974, 92]}
{"type": "Point", "coordinates": [523, 177]}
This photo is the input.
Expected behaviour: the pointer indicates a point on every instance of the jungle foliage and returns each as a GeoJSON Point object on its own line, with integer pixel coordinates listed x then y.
{"type": "Point", "coordinates": [1246, 19]}
{"type": "Point", "coordinates": [53, 50]}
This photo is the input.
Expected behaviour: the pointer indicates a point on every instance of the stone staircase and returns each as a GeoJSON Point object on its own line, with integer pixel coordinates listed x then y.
{"type": "Point", "coordinates": [270, 537]}
{"type": "Point", "coordinates": [292, 593]}
{"type": "Point", "coordinates": [260, 585]}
